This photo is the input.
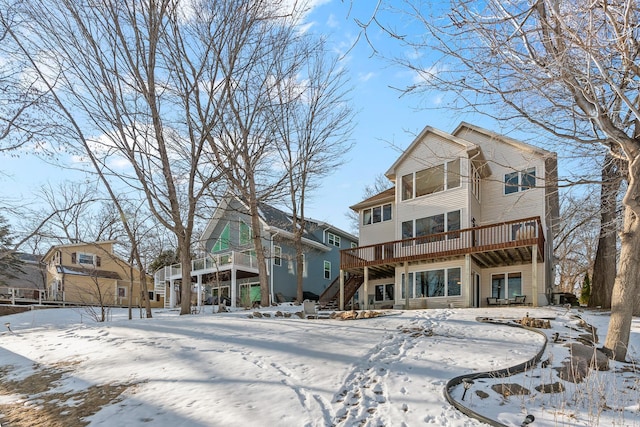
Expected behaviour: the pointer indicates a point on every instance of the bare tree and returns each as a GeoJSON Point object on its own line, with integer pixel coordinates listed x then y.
{"type": "Point", "coordinates": [312, 116]}
{"type": "Point", "coordinates": [246, 139]}
{"type": "Point", "coordinates": [566, 67]}
{"type": "Point", "coordinates": [144, 83]}
{"type": "Point", "coordinates": [574, 246]}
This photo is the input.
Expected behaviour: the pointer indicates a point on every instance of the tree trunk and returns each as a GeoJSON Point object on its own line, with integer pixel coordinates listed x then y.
{"type": "Point", "coordinates": [263, 271]}
{"type": "Point", "coordinates": [604, 265]}
{"type": "Point", "coordinates": [185, 286]}
{"type": "Point", "coordinates": [299, 272]}
{"type": "Point", "coordinates": [624, 289]}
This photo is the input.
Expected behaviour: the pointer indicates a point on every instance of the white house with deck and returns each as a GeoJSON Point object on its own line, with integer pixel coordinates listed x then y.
{"type": "Point", "coordinates": [468, 222]}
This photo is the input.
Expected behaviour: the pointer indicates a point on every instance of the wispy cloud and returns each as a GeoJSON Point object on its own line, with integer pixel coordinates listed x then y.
{"type": "Point", "coordinates": [363, 77]}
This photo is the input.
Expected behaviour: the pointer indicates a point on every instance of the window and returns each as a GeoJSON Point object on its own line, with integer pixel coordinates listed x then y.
{"type": "Point", "coordinates": [432, 225]}
{"type": "Point", "coordinates": [327, 270]}
{"type": "Point", "coordinates": [366, 217]}
{"type": "Point", "coordinates": [354, 245]}
{"type": "Point", "coordinates": [277, 255]}
{"type": "Point", "coordinates": [411, 287]}
{"type": "Point", "coordinates": [506, 286]}
{"type": "Point", "coordinates": [475, 181]}
{"type": "Point", "coordinates": [519, 181]}
{"type": "Point", "coordinates": [333, 239]}
{"type": "Point", "coordinates": [384, 292]}
{"type": "Point", "coordinates": [122, 292]}
{"type": "Point", "coordinates": [386, 212]}
{"type": "Point", "coordinates": [245, 234]}
{"type": "Point", "coordinates": [431, 180]}
{"type": "Point", "coordinates": [223, 241]}
{"type": "Point", "coordinates": [436, 283]}
{"type": "Point", "coordinates": [407, 187]}
{"type": "Point", "coordinates": [86, 259]}
{"type": "Point", "coordinates": [292, 266]}
{"type": "Point", "coordinates": [377, 214]}
{"type": "Point", "coordinates": [453, 174]}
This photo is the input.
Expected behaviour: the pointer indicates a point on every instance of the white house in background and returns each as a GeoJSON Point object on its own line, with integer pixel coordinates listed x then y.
{"type": "Point", "coordinates": [469, 222]}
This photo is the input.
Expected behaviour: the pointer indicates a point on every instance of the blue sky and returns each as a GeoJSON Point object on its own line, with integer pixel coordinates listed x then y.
{"type": "Point", "coordinates": [384, 120]}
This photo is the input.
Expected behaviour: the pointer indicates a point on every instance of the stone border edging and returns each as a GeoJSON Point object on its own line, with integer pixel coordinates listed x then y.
{"type": "Point", "coordinates": [506, 372]}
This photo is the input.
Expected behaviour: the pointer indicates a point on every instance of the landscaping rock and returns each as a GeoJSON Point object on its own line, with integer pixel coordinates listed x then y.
{"type": "Point", "coordinates": [510, 389]}
{"type": "Point", "coordinates": [556, 387]}
{"type": "Point", "coordinates": [481, 394]}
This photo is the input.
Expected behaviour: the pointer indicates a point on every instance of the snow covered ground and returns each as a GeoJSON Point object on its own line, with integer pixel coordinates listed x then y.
{"type": "Point", "coordinates": [59, 367]}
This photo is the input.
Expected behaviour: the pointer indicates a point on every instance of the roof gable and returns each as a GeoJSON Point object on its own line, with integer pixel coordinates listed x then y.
{"type": "Point", "coordinates": [465, 128]}
{"type": "Point", "coordinates": [427, 132]}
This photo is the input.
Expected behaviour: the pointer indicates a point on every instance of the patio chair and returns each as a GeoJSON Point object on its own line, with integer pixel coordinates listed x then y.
{"type": "Point", "coordinates": [310, 309]}
{"type": "Point", "coordinates": [492, 301]}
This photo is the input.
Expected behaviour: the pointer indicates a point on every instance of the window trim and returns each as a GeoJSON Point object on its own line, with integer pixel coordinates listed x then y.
{"type": "Point", "coordinates": [80, 255]}
{"type": "Point", "coordinates": [327, 270]}
{"type": "Point", "coordinates": [385, 214]}
{"type": "Point", "coordinates": [413, 278]}
{"type": "Point", "coordinates": [506, 277]}
{"type": "Point", "coordinates": [219, 241]}
{"type": "Point", "coordinates": [409, 182]}
{"type": "Point", "coordinates": [517, 186]}
{"type": "Point", "coordinates": [277, 255]}
{"type": "Point", "coordinates": [385, 288]}
{"type": "Point", "coordinates": [333, 239]}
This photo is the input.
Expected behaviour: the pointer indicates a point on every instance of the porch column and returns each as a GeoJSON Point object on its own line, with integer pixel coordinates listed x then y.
{"type": "Point", "coordinates": [467, 282]}
{"type": "Point", "coordinates": [407, 285]}
{"type": "Point", "coordinates": [341, 298]}
{"type": "Point", "coordinates": [199, 282]}
{"type": "Point", "coordinates": [366, 288]}
{"type": "Point", "coordinates": [172, 295]}
{"type": "Point", "coordinates": [234, 287]}
{"type": "Point", "coordinates": [534, 274]}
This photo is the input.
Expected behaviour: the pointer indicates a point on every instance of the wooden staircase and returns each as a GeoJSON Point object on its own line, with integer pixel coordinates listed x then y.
{"type": "Point", "coordinates": [330, 298]}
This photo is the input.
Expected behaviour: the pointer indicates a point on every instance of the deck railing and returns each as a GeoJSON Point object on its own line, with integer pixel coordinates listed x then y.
{"type": "Point", "coordinates": [504, 235]}
{"type": "Point", "coordinates": [209, 263]}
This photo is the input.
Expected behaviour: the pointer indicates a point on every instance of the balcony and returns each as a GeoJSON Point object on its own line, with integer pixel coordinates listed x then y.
{"type": "Point", "coordinates": [209, 264]}
{"type": "Point", "coordinates": [492, 245]}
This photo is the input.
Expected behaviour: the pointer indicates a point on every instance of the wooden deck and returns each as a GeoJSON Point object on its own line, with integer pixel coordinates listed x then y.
{"type": "Point", "coordinates": [490, 245]}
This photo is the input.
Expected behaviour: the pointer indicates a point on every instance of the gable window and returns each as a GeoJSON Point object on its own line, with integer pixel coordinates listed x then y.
{"type": "Point", "coordinates": [333, 239]}
{"type": "Point", "coordinates": [431, 180]}
{"type": "Point", "coordinates": [327, 270]}
{"type": "Point", "coordinates": [277, 255]}
{"type": "Point", "coordinates": [519, 181]}
{"type": "Point", "coordinates": [377, 214]}
{"type": "Point", "coordinates": [223, 241]}
{"type": "Point", "coordinates": [86, 259]}
{"type": "Point", "coordinates": [245, 234]}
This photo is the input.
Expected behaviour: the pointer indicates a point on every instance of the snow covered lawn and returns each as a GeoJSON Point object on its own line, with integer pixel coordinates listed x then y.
{"type": "Point", "coordinates": [58, 367]}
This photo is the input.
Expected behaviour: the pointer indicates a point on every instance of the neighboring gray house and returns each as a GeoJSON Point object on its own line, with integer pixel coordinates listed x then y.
{"type": "Point", "coordinates": [28, 283]}
{"type": "Point", "coordinates": [230, 269]}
